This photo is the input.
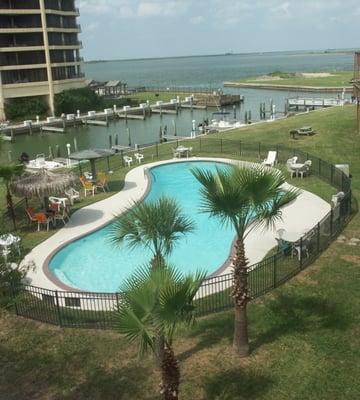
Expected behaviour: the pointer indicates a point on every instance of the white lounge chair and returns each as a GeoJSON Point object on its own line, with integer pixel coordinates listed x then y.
{"type": "Point", "coordinates": [270, 161]}
{"type": "Point", "coordinates": [128, 160]}
{"type": "Point", "coordinates": [139, 157]}
{"type": "Point", "coordinates": [176, 153]}
{"type": "Point", "coordinates": [72, 195]}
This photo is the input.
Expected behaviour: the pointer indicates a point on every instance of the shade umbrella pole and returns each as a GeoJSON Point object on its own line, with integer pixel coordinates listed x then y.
{"type": "Point", "coordinates": [93, 168]}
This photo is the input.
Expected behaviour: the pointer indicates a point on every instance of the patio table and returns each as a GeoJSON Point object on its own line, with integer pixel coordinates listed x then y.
{"type": "Point", "coordinates": [183, 151]}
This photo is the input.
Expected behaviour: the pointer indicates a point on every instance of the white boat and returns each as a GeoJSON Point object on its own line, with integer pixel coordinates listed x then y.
{"type": "Point", "coordinates": [223, 123]}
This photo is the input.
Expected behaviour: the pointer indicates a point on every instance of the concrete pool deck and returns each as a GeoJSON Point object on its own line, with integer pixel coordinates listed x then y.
{"type": "Point", "coordinates": [300, 216]}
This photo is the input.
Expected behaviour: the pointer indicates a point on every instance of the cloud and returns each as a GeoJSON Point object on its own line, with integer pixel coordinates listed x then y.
{"type": "Point", "coordinates": [161, 8]}
{"type": "Point", "coordinates": [197, 20]}
{"type": "Point", "coordinates": [134, 8]}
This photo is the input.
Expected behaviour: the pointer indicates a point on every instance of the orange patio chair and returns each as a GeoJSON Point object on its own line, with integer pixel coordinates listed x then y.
{"type": "Point", "coordinates": [87, 185]}
{"type": "Point", "coordinates": [40, 218]}
{"type": "Point", "coordinates": [102, 181]}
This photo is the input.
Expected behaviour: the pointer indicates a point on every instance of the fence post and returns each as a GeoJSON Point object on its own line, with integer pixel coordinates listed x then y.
{"type": "Point", "coordinates": [274, 270]}
{"type": "Point", "coordinates": [199, 144]}
{"type": "Point", "coordinates": [58, 308]}
{"type": "Point", "coordinates": [221, 146]}
{"type": "Point", "coordinates": [259, 150]}
{"type": "Point", "coordinates": [332, 174]}
{"type": "Point", "coordinates": [331, 222]}
{"type": "Point", "coordinates": [318, 238]}
{"type": "Point", "coordinates": [301, 253]}
{"type": "Point", "coordinates": [240, 146]}
{"type": "Point", "coordinates": [157, 150]}
{"type": "Point", "coordinates": [117, 301]}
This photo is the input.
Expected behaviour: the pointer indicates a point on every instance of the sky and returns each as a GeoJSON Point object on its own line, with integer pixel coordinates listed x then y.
{"type": "Point", "coordinates": [122, 29]}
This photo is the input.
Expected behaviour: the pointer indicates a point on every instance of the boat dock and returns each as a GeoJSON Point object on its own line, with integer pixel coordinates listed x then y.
{"type": "Point", "coordinates": [52, 129]}
{"type": "Point", "coordinates": [58, 125]}
{"type": "Point", "coordinates": [310, 103]}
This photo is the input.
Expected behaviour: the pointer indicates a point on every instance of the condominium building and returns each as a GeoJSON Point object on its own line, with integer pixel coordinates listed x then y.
{"type": "Point", "coordinates": [39, 49]}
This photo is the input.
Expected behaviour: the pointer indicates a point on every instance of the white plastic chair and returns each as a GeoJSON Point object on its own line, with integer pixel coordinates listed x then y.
{"type": "Point", "coordinates": [270, 161]}
{"type": "Point", "coordinates": [72, 195]}
{"type": "Point", "coordinates": [290, 169]}
{"type": "Point", "coordinates": [139, 157]}
{"type": "Point", "coordinates": [176, 154]}
{"type": "Point", "coordinates": [128, 160]}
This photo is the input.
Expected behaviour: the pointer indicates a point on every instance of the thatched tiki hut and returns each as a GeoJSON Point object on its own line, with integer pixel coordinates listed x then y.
{"type": "Point", "coordinates": [42, 184]}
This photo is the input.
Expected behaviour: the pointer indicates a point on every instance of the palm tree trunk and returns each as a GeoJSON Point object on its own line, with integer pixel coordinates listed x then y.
{"type": "Point", "coordinates": [159, 349]}
{"type": "Point", "coordinates": [157, 261]}
{"type": "Point", "coordinates": [170, 375]}
{"type": "Point", "coordinates": [241, 297]}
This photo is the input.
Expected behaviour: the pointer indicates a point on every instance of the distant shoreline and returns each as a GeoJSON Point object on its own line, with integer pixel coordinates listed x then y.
{"type": "Point", "coordinates": [288, 52]}
{"type": "Point", "coordinates": [333, 89]}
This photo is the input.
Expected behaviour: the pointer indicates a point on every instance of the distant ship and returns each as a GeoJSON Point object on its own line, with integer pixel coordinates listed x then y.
{"type": "Point", "coordinates": [230, 53]}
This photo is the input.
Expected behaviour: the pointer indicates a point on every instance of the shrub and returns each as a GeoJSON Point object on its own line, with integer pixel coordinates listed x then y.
{"type": "Point", "coordinates": [83, 99]}
{"type": "Point", "coordinates": [25, 108]}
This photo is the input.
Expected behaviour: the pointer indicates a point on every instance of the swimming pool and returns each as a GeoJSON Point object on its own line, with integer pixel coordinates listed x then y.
{"type": "Point", "coordinates": [92, 263]}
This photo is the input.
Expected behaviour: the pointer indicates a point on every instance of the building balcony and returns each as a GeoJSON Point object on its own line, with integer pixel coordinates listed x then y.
{"type": "Point", "coordinates": [66, 63]}
{"type": "Point", "coordinates": [22, 67]}
{"type": "Point", "coordinates": [77, 46]}
{"type": "Point", "coordinates": [19, 11]}
{"type": "Point", "coordinates": [75, 29]}
{"type": "Point", "coordinates": [21, 47]}
{"type": "Point", "coordinates": [74, 13]}
{"type": "Point", "coordinates": [20, 30]}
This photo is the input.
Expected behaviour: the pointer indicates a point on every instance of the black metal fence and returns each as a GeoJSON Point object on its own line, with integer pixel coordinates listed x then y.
{"type": "Point", "coordinates": [96, 310]}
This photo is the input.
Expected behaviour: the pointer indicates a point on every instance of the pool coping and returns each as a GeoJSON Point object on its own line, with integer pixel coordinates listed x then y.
{"type": "Point", "coordinates": [43, 277]}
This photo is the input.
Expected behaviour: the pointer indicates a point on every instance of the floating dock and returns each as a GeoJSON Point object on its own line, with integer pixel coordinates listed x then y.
{"type": "Point", "coordinates": [94, 122]}
{"type": "Point", "coordinates": [303, 103]}
{"type": "Point", "coordinates": [52, 129]}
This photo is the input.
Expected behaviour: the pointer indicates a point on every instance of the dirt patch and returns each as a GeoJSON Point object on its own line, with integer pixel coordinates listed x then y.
{"type": "Point", "coordinates": [351, 259]}
{"type": "Point", "coordinates": [304, 278]}
{"type": "Point", "coordinates": [316, 74]}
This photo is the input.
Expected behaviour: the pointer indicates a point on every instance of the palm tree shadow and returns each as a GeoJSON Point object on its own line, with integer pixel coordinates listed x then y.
{"type": "Point", "coordinates": [289, 314]}
{"type": "Point", "coordinates": [210, 330]}
{"type": "Point", "coordinates": [237, 384]}
{"type": "Point", "coordinates": [97, 383]}
{"type": "Point", "coordinates": [300, 314]}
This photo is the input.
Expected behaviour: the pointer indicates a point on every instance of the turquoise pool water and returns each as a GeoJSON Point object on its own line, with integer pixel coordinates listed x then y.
{"type": "Point", "coordinates": [92, 263]}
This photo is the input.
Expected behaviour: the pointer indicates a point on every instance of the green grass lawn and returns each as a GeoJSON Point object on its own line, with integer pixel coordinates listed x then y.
{"type": "Point", "coordinates": [304, 335]}
{"type": "Point", "coordinates": [337, 79]}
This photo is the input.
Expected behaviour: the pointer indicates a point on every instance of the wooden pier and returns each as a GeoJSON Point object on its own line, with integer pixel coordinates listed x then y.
{"type": "Point", "coordinates": [95, 122]}
{"type": "Point", "coordinates": [52, 129]}
{"type": "Point", "coordinates": [310, 103]}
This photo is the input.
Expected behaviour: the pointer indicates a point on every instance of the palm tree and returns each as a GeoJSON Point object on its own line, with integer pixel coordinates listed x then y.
{"type": "Point", "coordinates": [7, 173]}
{"type": "Point", "coordinates": [246, 198]}
{"type": "Point", "coordinates": [156, 225]}
{"type": "Point", "coordinates": [158, 300]}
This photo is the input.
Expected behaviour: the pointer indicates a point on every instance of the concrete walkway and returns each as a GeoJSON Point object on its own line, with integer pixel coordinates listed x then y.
{"type": "Point", "coordinates": [300, 216]}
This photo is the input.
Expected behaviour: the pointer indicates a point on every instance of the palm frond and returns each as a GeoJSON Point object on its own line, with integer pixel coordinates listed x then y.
{"type": "Point", "coordinates": [157, 225]}
{"type": "Point", "coordinates": [156, 300]}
